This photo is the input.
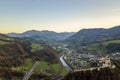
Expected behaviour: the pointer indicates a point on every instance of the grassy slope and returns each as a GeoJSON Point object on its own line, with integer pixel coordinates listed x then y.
{"type": "Point", "coordinates": [3, 42]}
{"type": "Point", "coordinates": [25, 67]}
{"type": "Point", "coordinates": [96, 46]}
{"type": "Point", "coordinates": [112, 41]}
{"type": "Point", "coordinates": [107, 42]}
{"type": "Point", "coordinates": [50, 69]}
{"type": "Point", "coordinates": [36, 47]}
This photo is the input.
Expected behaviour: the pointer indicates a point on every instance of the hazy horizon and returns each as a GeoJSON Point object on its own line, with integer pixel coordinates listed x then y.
{"type": "Point", "coordinates": [60, 32]}
{"type": "Point", "coordinates": [58, 15]}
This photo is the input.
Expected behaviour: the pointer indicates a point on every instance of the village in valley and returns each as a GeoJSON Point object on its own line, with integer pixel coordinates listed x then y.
{"type": "Point", "coordinates": [80, 62]}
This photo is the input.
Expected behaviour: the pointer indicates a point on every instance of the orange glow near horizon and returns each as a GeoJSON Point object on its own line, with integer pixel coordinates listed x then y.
{"type": "Point", "coordinates": [58, 15]}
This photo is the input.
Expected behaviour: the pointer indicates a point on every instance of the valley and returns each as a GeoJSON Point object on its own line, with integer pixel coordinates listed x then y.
{"type": "Point", "coordinates": [30, 57]}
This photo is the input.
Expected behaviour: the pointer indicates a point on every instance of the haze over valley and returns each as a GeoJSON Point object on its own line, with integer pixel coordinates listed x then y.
{"type": "Point", "coordinates": [60, 40]}
{"type": "Point", "coordinates": [39, 53]}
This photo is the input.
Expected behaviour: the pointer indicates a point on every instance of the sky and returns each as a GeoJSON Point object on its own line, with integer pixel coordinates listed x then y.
{"type": "Point", "coordinates": [58, 15]}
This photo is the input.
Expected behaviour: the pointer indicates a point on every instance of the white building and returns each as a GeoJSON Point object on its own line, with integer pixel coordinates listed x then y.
{"type": "Point", "coordinates": [106, 62]}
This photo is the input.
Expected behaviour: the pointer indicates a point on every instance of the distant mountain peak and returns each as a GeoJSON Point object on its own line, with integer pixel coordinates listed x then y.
{"type": "Point", "coordinates": [32, 30]}
{"type": "Point", "coordinates": [42, 34]}
{"type": "Point", "coordinates": [95, 34]}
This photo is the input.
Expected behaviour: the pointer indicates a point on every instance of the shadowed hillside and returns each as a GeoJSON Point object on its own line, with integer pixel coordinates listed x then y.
{"type": "Point", "coordinates": [94, 35]}
{"type": "Point", "coordinates": [103, 74]}
{"type": "Point", "coordinates": [13, 53]}
{"type": "Point", "coordinates": [44, 53]}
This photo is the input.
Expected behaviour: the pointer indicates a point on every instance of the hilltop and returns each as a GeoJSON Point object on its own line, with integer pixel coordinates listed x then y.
{"type": "Point", "coordinates": [18, 55]}
{"type": "Point", "coordinates": [42, 35]}
{"type": "Point", "coordinates": [11, 48]}
{"type": "Point", "coordinates": [94, 35]}
{"type": "Point", "coordinates": [102, 74]}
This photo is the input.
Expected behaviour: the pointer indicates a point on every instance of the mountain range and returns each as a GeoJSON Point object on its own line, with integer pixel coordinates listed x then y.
{"type": "Point", "coordinates": [14, 51]}
{"type": "Point", "coordinates": [95, 35]}
{"type": "Point", "coordinates": [82, 36]}
{"type": "Point", "coordinates": [42, 35]}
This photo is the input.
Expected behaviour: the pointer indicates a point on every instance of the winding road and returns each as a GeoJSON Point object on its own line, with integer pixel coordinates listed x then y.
{"type": "Point", "coordinates": [29, 73]}
{"type": "Point", "coordinates": [65, 64]}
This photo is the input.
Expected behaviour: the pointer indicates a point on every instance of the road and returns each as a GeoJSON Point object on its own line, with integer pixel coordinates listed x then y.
{"type": "Point", "coordinates": [29, 73]}
{"type": "Point", "coordinates": [68, 68]}
{"type": "Point", "coordinates": [65, 64]}
{"type": "Point", "coordinates": [61, 66]}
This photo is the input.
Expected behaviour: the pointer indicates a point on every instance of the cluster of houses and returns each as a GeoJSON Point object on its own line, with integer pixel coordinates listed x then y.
{"type": "Point", "coordinates": [87, 61]}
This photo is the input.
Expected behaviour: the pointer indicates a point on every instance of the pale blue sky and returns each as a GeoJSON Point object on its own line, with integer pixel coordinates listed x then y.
{"type": "Point", "coordinates": [58, 15]}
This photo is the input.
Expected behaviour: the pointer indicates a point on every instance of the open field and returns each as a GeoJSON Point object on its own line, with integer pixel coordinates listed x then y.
{"type": "Point", "coordinates": [47, 68]}
{"type": "Point", "coordinates": [104, 43]}
{"type": "Point", "coordinates": [25, 67]}
{"type": "Point", "coordinates": [99, 46]}
{"type": "Point", "coordinates": [36, 47]}
{"type": "Point", "coordinates": [112, 41]}
{"type": "Point", "coordinates": [3, 42]}
{"type": "Point", "coordinates": [43, 67]}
